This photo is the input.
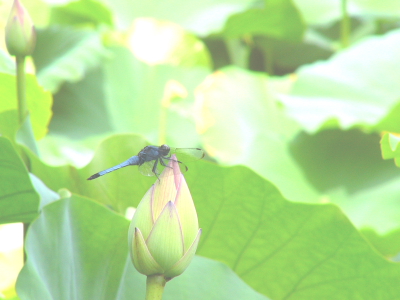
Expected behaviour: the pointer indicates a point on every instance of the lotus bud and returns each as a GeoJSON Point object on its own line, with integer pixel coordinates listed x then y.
{"type": "Point", "coordinates": [20, 32]}
{"type": "Point", "coordinates": [164, 231]}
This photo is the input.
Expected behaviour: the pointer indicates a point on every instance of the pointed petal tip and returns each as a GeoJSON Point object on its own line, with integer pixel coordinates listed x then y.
{"type": "Point", "coordinates": [184, 262]}
{"type": "Point", "coordinates": [141, 257]}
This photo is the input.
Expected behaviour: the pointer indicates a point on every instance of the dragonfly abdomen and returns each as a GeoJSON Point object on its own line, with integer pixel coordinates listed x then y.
{"type": "Point", "coordinates": [134, 160]}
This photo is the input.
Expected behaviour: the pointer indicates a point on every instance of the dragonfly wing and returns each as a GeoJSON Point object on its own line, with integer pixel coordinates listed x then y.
{"type": "Point", "coordinates": [187, 154]}
{"type": "Point", "coordinates": [147, 168]}
{"type": "Point", "coordinates": [134, 160]}
{"type": "Point", "coordinates": [182, 165]}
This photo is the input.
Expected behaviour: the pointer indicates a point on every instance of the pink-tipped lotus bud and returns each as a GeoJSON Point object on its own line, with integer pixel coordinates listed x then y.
{"type": "Point", "coordinates": [164, 232]}
{"type": "Point", "coordinates": [20, 32]}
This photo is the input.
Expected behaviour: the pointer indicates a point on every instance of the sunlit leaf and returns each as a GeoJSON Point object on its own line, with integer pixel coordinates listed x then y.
{"type": "Point", "coordinates": [390, 147]}
{"type": "Point", "coordinates": [161, 42]}
{"type": "Point", "coordinates": [201, 17]}
{"type": "Point", "coordinates": [11, 258]}
{"type": "Point", "coordinates": [241, 123]}
{"type": "Point", "coordinates": [354, 88]}
{"type": "Point", "coordinates": [383, 8]}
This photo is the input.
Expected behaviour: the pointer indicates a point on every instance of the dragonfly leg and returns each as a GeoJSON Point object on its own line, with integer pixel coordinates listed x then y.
{"type": "Point", "coordinates": [154, 170]}
{"type": "Point", "coordinates": [163, 163]}
{"type": "Point", "coordinates": [168, 158]}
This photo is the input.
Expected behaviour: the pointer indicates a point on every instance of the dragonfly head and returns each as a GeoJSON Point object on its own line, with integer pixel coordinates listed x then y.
{"type": "Point", "coordinates": [164, 149]}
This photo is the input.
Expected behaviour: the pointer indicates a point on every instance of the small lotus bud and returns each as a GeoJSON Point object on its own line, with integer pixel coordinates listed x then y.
{"type": "Point", "coordinates": [20, 32]}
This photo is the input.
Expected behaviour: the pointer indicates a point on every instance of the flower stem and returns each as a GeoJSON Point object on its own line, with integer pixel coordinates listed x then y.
{"type": "Point", "coordinates": [345, 25]}
{"type": "Point", "coordinates": [21, 89]}
{"type": "Point", "coordinates": [155, 287]}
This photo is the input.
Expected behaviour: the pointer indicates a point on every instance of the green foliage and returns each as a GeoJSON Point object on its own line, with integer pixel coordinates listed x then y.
{"type": "Point", "coordinates": [305, 128]}
{"type": "Point", "coordinates": [390, 147]}
{"type": "Point", "coordinates": [18, 200]}
{"type": "Point", "coordinates": [64, 54]}
{"type": "Point", "coordinates": [39, 103]}
{"type": "Point", "coordinates": [87, 243]}
{"type": "Point", "coordinates": [81, 13]}
{"type": "Point", "coordinates": [278, 19]}
{"type": "Point", "coordinates": [355, 86]}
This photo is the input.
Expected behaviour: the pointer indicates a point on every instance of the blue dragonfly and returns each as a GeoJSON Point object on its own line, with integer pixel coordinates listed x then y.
{"type": "Point", "coordinates": [153, 159]}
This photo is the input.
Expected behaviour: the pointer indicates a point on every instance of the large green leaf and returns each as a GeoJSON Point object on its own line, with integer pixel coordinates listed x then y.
{"type": "Point", "coordinates": [63, 54]}
{"type": "Point", "coordinates": [200, 17]}
{"type": "Point", "coordinates": [387, 244]}
{"type": "Point", "coordinates": [282, 249]}
{"type": "Point", "coordinates": [241, 123]}
{"type": "Point", "coordinates": [18, 200]}
{"type": "Point", "coordinates": [78, 250]}
{"type": "Point", "coordinates": [39, 102]}
{"type": "Point", "coordinates": [278, 18]}
{"type": "Point", "coordinates": [81, 12]}
{"type": "Point", "coordinates": [356, 87]}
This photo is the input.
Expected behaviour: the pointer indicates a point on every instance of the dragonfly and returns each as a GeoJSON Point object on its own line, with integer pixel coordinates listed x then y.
{"type": "Point", "coordinates": [153, 159]}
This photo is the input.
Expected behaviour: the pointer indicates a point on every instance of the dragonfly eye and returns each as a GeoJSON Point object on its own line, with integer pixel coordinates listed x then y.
{"type": "Point", "coordinates": [164, 149]}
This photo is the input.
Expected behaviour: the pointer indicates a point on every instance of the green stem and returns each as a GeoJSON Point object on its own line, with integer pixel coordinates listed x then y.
{"type": "Point", "coordinates": [155, 287]}
{"type": "Point", "coordinates": [21, 89]}
{"type": "Point", "coordinates": [345, 25]}
{"type": "Point", "coordinates": [239, 52]}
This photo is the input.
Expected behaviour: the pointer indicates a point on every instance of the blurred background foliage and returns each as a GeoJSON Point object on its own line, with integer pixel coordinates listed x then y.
{"type": "Point", "coordinates": [298, 92]}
